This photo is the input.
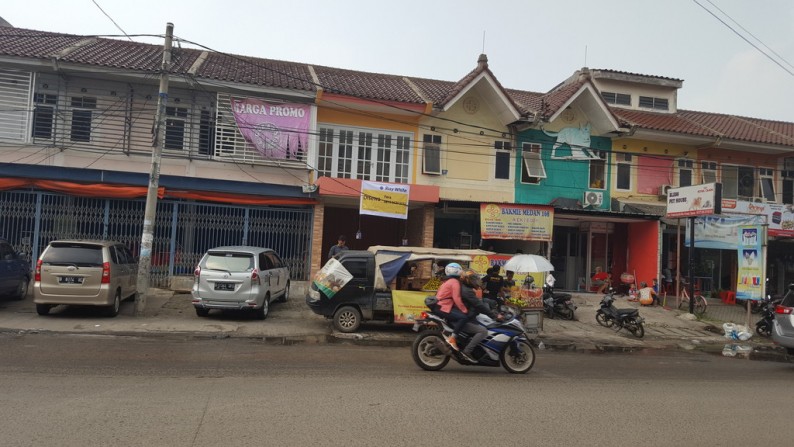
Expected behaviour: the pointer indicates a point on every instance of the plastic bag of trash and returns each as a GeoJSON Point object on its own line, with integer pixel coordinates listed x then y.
{"type": "Point", "coordinates": [729, 350]}
{"type": "Point", "coordinates": [736, 332]}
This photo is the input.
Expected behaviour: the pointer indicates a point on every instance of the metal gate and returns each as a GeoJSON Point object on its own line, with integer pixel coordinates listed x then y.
{"type": "Point", "coordinates": [183, 230]}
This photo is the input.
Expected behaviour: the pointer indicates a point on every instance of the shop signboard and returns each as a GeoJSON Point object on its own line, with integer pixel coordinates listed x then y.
{"type": "Point", "coordinates": [384, 199]}
{"type": "Point", "coordinates": [719, 232]}
{"type": "Point", "coordinates": [332, 277]}
{"type": "Point", "coordinates": [779, 217]}
{"type": "Point", "coordinates": [750, 282]}
{"type": "Point", "coordinates": [696, 200]}
{"type": "Point", "coordinates": [516, 222]}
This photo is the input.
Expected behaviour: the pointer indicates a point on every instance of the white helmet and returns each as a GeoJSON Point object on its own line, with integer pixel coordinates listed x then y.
{"type": "Point", "coordinates": [453, 269]}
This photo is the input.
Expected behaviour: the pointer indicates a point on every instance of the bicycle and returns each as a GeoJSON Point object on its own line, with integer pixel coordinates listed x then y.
{"type": "Point", "coordinates": [701, 305]}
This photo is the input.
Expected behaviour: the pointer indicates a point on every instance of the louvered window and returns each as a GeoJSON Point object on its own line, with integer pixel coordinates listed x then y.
{"type": "Point", "coordinates": [649, 102]}
{"type": "Point", "coordinates": [620, 99]}
{"type": "Point", "coordinates": [14, 105]}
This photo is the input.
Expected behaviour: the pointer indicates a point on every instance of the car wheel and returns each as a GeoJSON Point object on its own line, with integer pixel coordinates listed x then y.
{"type": "Point", "coordinates": [22, 289]}
{"type": "Point", "coordinates": [285, 297]}
{"type": "Point", "coordinates": [347, 319]}
{"type": "Point", "coordinates": [43, 309]}
{"type": "Point", "coordinates": [113, 310]}
{"type": "Point", "coordinates": [262, 312]}
{"type": "Point", "coordinates": [202, 312]}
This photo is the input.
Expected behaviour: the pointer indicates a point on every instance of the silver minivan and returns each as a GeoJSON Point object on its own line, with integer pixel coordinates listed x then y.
{"type": "Point", "coordinates": [239, 277]}
{"type": "Point", "coordinates": [86, 273]}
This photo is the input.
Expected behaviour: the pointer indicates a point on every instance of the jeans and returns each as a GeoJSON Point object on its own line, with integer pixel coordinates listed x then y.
{"type": "Point", "coordinates": [478, 334]}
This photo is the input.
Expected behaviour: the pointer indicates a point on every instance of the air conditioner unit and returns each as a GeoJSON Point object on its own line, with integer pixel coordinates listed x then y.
{"type": "Point", "coordinates": [593, 198]}
{"type": "Point", "coordinates": [663, 189]}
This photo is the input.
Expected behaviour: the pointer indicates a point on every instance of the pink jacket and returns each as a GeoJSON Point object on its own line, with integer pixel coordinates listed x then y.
{"type": "Point", "coordinates": [449, 294]}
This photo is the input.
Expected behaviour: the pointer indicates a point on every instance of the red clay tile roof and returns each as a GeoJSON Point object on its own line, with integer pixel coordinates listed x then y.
{"type": "Point", "coordinates": [634, 74]}
{"type": "Point", "coordinates": [711, 125]}
{"type": "Point", "coordinates": [376, 86]}
{"type": "Point", "coordinates": [122, 54]}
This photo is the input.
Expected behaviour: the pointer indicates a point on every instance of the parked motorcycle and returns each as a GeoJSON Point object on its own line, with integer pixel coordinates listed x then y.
{"type": "Point", "coordinates": [610, 316]}
{"type": "Point", "coordinates": [507, 344]}
{"type": "Point", "coordinates": [764, 326]}
{"type": "Point", "coordinates": [555, 303]}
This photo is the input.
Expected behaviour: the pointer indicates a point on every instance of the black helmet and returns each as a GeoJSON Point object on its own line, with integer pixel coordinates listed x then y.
{"type": "Point", "coordinates": [471, 278]}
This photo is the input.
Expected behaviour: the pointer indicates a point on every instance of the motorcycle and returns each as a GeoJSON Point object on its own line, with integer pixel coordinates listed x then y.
{"type": "Point", "coordinates": [764, 326]}
{"type": "Point", "coordinates": [507, 344]}
{"type": "Point", "coordinates": [559, 304]}
{"type": "Point", "coordinates": [610, 316]}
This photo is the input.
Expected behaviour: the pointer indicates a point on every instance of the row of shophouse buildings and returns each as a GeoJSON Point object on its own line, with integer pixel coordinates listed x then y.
{"type": "Point", "coordinates": [273, 153]}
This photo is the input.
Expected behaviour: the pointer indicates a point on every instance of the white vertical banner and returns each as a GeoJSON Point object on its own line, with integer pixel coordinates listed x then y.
{"type": "Point", "coordinates": [384, 199]}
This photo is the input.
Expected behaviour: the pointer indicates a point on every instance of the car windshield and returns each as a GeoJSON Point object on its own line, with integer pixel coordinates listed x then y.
{"type": "Point", "coordinates": [81, 255]}
{"type": "Point", "coordinates": [230, 262]}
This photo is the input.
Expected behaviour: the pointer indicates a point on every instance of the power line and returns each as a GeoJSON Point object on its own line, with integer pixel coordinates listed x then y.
{"type": "Point", "coordinates": [111, 19]}
{"type": "Point", "coordinates": [746, 39]}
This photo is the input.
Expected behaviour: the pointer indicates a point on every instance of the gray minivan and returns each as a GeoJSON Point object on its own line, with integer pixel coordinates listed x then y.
{"type": "Point", "coordinates": [239, 277]}
{"type": "Point", "coordinates": [85, 273]}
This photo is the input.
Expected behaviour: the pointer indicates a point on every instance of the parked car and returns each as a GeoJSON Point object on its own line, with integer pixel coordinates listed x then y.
{"type": "Point", "coordinates": [239, 277]}
{"type": "Point", "coordinates": [783, 324]}
{"type": "Point", "coordinates": [86, 273]}
{"type": "Point", "coordinates": [14, 272]}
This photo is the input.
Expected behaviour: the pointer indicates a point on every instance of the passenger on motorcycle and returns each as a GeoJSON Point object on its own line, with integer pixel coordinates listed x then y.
{"type": "Point", "coordinates": [470, 281]}
{"type": "Point", "coordinates": [450, 303]}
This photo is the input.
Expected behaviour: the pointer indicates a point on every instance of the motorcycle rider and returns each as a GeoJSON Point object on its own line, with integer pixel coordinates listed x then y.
{"type": "Point", "coordinates": [470, 281]}
{"type": "Point", "coordinates": [450, 303]}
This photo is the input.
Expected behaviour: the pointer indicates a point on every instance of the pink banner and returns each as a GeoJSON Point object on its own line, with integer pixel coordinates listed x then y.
{"type": "Point", "coordinates": [276, 130]}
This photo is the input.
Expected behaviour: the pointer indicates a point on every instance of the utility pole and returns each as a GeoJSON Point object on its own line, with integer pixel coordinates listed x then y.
{"type": "Point", "coordinates": [147, 238]}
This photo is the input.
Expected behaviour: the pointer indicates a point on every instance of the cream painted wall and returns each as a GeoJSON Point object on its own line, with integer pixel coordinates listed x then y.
{"type": "Point", "coordinates": [466, 155]}
{"type": "Point", "coordinates": [637, 90]}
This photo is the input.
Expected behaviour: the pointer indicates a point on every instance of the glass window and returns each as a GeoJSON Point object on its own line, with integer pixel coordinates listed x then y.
{"type": "Point", "coordinates": [364, 160]}
{"type": "Point", "coordinates": [708, 171]}
{"type": "Point", "coordinates": [230, 262]}
{"type": "Point", "coordinates": [502, 160]}
{"type": "Point", "coordinates": [532, 169]}
{"type": "Point", "coordinates": [432, 154]}
{"type": "Point", "coordinates": [730, 185]}
{"type": "Point", "coordinates": [81, 118]}
{"type": "Point", "coordinates": [624, 172]}
{"type": "Point", "coordinates": [43, 115]}
{"type": "Point", "coordinates": [746, 181]}
{"type": "Point", "coordinates": [767, 184]}
{"type": "Point", "coordinates": [788, 187]}
{"type": "Point", "coordinates": [81, 255]}
{"type": "Point", "coordinates": [356, 268]}
{"type": "Point", "coordinates": [685, 167]}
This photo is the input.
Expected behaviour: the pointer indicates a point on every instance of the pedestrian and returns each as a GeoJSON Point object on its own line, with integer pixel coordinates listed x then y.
{"type": "Point", "coordinates": [338, 248]}
{"type": "Point", "coordinates": [647, 296]}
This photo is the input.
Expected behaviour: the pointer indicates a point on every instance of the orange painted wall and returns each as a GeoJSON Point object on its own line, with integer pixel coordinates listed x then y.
{"type": "Point", "coordinates": [643, 249]}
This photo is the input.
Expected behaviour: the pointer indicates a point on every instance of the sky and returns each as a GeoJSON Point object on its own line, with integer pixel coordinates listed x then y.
{"type": "Point", "coordinates": [531, 44]}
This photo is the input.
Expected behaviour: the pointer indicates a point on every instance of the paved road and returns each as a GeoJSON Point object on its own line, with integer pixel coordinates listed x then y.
{"type": "Point", "coordinates": [106, 390]}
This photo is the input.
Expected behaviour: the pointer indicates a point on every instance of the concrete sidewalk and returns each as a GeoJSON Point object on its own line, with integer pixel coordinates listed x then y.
{"type": "Point", "coordinates": [171, 314]}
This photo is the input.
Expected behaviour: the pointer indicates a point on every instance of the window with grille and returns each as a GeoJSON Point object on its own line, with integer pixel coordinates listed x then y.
{"type": "Point", "coordinates": [43, 115]}
{"type": "Point", "coordinates": [14, 99]}
{"type": "Point", "coordinates": [502, 160]}
{"type": "Point", "coordinates": [82, 115]}
{"type": "Point", "coordinates": [532, 169]}
{"type": "Point", "coordinates": [206, 132]}
{"type": "Point", "coordinates": [431, 160]}
{"type": "Point", "coordinates": [766, 184]}
{"type": "Point", "coordinates": [375, 155]}
{"type": "Point", "coordinates": [620, 99]}
{"type": "Point", "coordinates": [708, 172]}
{"type": "Point", "coordinates": [175, 120]}
{"type": "Point", "coordinates": [649, 102]}
{"type": "Point", "coordinates": [685, 167]}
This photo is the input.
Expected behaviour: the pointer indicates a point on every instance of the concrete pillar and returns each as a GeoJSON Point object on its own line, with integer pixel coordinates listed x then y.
{"type": "Point", "coordinates": [317, 239]}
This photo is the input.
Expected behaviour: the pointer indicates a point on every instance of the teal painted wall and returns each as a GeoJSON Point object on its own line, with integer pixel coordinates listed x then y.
{"type": "Point", "coordinates": [564, 178]}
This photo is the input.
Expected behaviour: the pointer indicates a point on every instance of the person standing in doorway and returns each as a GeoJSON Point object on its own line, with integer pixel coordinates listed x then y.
{"type": "Point", "coordinates": [338, 248]}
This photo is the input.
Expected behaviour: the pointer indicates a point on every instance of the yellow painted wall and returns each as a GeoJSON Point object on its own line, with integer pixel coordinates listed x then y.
{"type": "Point", "coordinates": [466, 155]}
{"type": "Point", "coordinates": [644, 147]}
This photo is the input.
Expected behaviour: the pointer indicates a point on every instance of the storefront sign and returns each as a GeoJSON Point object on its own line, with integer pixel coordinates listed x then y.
{"type": "Point", "coordinates": [276, 130]}
{"type": "Point", "coordinates": [697, 200]}
{"type": "Point", "coordinates": [751, 262]}
{"type": "Point", "coordinates": [779, 218]}
{"type": "Point", "coordinates": [519, 222]}
{"type": "Point", "coordinates": [719, 232]}
{"type": "Point", "coordinates": [408, 305]}
{"type": "Point", "coordinates": [384, 199]}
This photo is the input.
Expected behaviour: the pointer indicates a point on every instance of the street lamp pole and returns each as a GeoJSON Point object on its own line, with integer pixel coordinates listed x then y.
{"type": "Point", "coordinates": [147, 238]}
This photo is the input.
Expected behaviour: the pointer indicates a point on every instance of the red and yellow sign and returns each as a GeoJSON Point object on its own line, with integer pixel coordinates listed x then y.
{"type": "Point", "coordinates": [518, 222]}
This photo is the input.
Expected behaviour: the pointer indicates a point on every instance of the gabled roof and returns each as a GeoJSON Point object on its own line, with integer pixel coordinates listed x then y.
{"type": "Point", "coordinates": [146, 58]}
